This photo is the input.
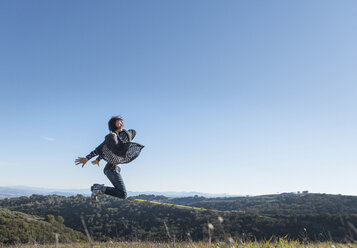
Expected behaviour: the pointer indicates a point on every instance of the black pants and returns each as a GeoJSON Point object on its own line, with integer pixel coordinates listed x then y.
{"type": "Point", "coordinates": [113, 174]}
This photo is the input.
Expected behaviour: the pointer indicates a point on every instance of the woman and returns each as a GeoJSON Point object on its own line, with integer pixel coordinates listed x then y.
{"type": "Point", "coordinates": [116, 149]}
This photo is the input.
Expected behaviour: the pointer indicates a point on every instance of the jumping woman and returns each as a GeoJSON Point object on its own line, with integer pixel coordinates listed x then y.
{"type": "Point", "coordinates": [116, 149]}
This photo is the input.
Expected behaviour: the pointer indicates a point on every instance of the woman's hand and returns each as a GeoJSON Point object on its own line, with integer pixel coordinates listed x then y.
{"type": "Point", "coordinates": [95, 162]}
{"type": "Point", "coordinates": [80, 160]}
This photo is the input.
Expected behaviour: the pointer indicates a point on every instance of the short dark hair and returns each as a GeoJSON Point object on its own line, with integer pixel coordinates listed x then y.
{"type": "Point", "coordinates": [111, 123]}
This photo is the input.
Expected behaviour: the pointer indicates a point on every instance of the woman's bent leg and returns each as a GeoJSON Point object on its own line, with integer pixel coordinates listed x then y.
{"type": "Point", "coordinates": [113, 174]}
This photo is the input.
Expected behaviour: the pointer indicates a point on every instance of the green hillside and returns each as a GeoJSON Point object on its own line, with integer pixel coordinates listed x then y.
{"type": "Point", "coordinates": [286, 204]}
{"type": "Point", "coordinates": [17, 227]}
{"type": "Point", "coordinates": [134, 219]}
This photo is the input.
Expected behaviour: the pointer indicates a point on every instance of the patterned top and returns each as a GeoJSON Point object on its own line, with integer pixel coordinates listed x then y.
{"type": "Point", "coordinates": [118, 148]}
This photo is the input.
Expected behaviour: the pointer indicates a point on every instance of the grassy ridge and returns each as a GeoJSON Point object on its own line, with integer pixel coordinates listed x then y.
{"type": "Point", "coordinates": [277, 204]}
{"type": "Point", "coordinates": [169, 204]}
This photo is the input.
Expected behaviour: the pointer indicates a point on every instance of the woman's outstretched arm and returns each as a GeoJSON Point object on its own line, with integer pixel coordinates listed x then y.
{"type": "Point", "coordinates": [83, 161]}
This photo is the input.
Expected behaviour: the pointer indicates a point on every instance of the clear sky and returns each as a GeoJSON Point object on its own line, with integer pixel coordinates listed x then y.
{"type": "Point", "coordinates": [240, 97]}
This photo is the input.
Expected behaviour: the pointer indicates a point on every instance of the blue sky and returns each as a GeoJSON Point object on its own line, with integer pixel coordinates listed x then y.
{"type": "Point", "coordinates": [239, 97]}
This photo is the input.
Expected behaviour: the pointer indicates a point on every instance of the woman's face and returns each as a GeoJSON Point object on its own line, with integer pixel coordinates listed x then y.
{"type": "Point", "coordinates": [119, 125]}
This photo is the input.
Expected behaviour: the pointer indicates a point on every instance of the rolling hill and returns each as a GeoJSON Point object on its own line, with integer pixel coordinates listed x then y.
{"type": "Point", "coordinates": [138, 219]}
{"type": "Point", "coordinates": [17, 227]}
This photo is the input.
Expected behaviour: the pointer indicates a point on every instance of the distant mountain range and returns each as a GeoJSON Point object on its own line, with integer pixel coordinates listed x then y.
{"type": "Point", "coordinates": [17, 191]}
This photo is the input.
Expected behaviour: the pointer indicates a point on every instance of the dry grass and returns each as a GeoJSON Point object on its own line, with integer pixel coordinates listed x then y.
{"type": "Point", "coordinates": [170, 204]}
{"type": "Point", "coordinates": [283, 243]}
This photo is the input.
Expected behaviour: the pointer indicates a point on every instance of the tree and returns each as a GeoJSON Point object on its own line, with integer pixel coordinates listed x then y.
{"type": "Point", "coordinates": [50, 218]}
{"type": "Point", "coordinates": [60, 219]}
